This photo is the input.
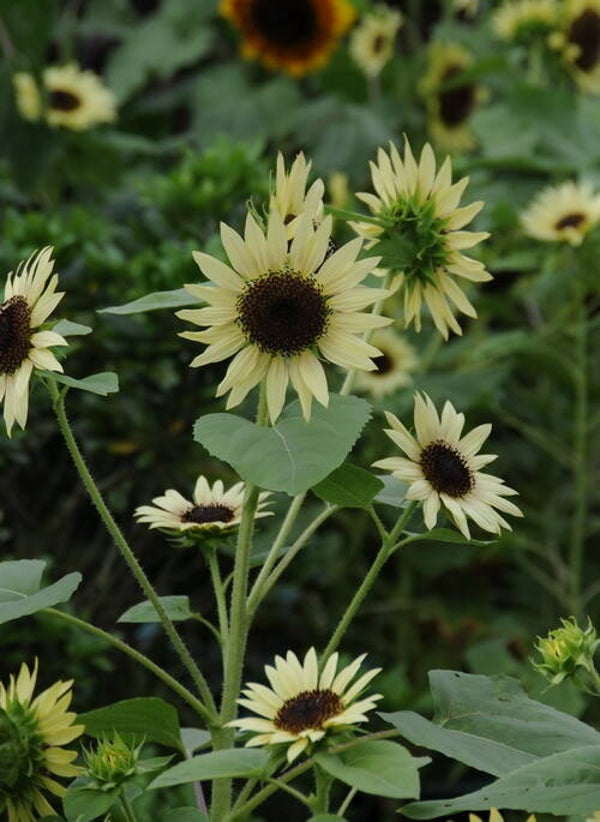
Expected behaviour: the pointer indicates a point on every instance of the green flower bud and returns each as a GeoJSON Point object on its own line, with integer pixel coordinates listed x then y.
{"type": "Point", "coordinates": [113, 762]}
{"type": "Point", "coordinates": [565, 650]}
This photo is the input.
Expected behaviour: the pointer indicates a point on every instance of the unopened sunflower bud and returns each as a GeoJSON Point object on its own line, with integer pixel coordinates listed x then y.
{"type": "Point", "coordinates": [564, 651]}
{"type": "Point", "coordinates": [113, 762]}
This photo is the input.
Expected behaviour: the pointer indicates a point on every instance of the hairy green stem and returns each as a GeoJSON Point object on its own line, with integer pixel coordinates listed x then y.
{"type": "Point", "coordinates": [127, 554]}
{"type": "Point", "coordinates": [219, 590]}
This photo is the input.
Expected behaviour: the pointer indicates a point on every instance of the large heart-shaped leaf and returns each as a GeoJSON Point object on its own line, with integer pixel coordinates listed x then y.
{"type": "Point", "coordinates": [20, 592]}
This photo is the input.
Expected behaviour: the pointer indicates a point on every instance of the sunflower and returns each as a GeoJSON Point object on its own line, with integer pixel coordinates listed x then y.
{"type": "Point", "coordinates": [29, 298]}
{"type": "Point", "coordinates": [35, 729]}
{"type": "Point", "coordinates": [579, 42]}
{"type": "Point", "coordinates": [525, 20]}
{"type": "Point", "coordinates": [443, 468]}
{"type": "Point", "coordinates": [394, 365]}
{"type": "Point", "coordinates": [71, 98]}
{"type": "Point", "coordinates": [289, 196]}
{"type": "Point", "coordinates": [211, 510]}
{"type": "Point", "coordinates": [301, 706]}
{"type": "Point", "coordinates": [421, 225]}
{"type": "Point", "coordinates": [496, 816]}
{"type": "Point", "coordinates": [450, 101]}
{"type": "Point", "coordinates": [279, 305]}
{"type": "Point", "coordinates": [372, 41]}
{"type": "Point", "coordinates": [563, 213]}
{"type": "Point", "coordinates": [296, 36]}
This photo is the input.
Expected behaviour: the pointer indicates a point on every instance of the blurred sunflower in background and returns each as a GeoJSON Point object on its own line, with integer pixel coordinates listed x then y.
{"type": "Point", "coordinates": [563, 213]}
{"type": "Point", "coordinates": [295, 36]}
{"type": "Point", "coordinates": [372, 41]}
{"type": "Point", "coordinates": [523, 21]}
{"type": "Point", "coordinates": [397, 361]}
{"type": "Point", "coordinates": [578, 41]}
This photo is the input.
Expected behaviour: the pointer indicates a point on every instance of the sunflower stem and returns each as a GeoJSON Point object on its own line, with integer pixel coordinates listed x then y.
{"type": "Point", "coordinates": [209, 709]}
{"type": "Point", "coordinates": [219, 590]}
{"type": "Point", "coordinates": [320, 803]}
{"type": "Point", "coordinates": [346, 803]}
{"type": "Point", "coordinates": [127, 809]}
{"type": "Point", "coordinates": [388, 545]}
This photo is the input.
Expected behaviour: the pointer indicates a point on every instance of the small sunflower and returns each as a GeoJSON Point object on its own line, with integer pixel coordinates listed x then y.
{"type": "Point", "coordinates": [421, 228]}
{"type": "Point", "coordinates": [563, 213]}
{"type": "Point", "coordinates": [289, 196]}
{"type": "Point", "coordinates": [394, 365]}
{"type": "Point", "coordinates": [302, 707]}
{"type": "Point", "coordinates": [36, 729]}
{"type": "Point", "coordinates": [71, 98]}
{"type": "Point", "coordinates": [30, 296]}
{"type": "Point", "coordinates": [372, 41]}
{"type": "Point", "coordinates": [278, 306]}
{"type": "Point", "coordinates": [579, 42]}
{"type": "Point", "coordinates": [211, 510]}
{"type": "Point", "coordinates": [443, 468]}
{"type": "Point", "coordinates": [450, 102]}
{"type": "Point", "coordinates": [296, 36]}
{"type": "Point", "coordinates": [522, 21]}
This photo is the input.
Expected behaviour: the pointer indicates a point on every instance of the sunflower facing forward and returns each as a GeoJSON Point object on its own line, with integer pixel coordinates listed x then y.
{"type": "Point", "coordinates": [421, 227]}
{"type": "Point", "coordinates": [301, 706]}
{"type": "Point", "coordinates": [442, 467]}
{"type": "Point", "coordinates": [296, 36]}
{"type": "Point", "coordinates": [578, 40]}
{"type": "Point", "coordinates": [34, 730]}
{"type": "Point", "coordinates": [278, 306]}
{"type": "Point", "coordinates": [562, 213]}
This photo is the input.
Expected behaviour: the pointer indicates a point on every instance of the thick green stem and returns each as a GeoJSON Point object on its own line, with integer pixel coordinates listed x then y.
{"type": "Point", "coordinates": [127, 809]}
{"type": "Point", "coordinates": [219, 590]}
{"type": "Point", "coordinates": [387, 546]}
{"type": "Point", "coordinates": [320, 803]}
{"type": "Point", "coordinates": [127, 554]}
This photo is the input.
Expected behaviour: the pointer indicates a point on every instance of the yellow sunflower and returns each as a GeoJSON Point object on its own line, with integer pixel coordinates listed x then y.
{"type": "Point", "coordinates": [421, 228]}
{"type": "Point", "coordinates": [210, 511]}
{"type": "Point", "coordinates": [372, 41]}
{"type": "Point", "coordinates": [442, 467]}
{"type": "Point", "coordinates": [71, 98]}
{"type": "Point", "coordinates": [563, 213]}
{"type": "Point", "coordinates": [280, 305]}
{"type": "Point", "coordinates": [296, 36]}
{"type": "Point", "coordinates": [37, 729]}
{"type": "Point", "coordinates": [301, 706]}
{"type": "Point", "coordinates": [450, 102]}
{"type": "Point", "coordinates": [525, 20]}
{"type": "Point", "coordinates": [394, 366]}
{"type": "Point", "coordinates": [579, 42]}
{"type": "Point", "coordinates": [289, 196]}
{"type": "Point", "coordinates": [30, 296]}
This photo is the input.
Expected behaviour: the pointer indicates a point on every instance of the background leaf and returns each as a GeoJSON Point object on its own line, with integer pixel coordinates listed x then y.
{"type": "Point", "coordinates": [177, 608]}
{"type": "Point", "coordinates": [28, 603]}
{"type": "Point", "coordinates": [238, 762]}
{"type": "Point", "coordinates": [349, 487]}
{"type": "Point", "coordinates": [103, 383]}
{"type": "Point", "coordinates": [144, 718]}
{"type": "Point", "coordinates": [152, 302]}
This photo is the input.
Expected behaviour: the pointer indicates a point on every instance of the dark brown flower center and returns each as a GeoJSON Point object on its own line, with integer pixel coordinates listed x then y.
{"type": "Point", "coordinates": [570, 221]}
{"type": "Point", "coordinates": [285, 22]}
{"type": "Point", "coordinates": [379, 43]}
{"type": "Point", "coordinates": [308, 711]}
{"type": "Point", "coordinates": [384, 364]}
{"type": "Point", "coordinates": [201, 514]}
{"type": "Point", "coordinates": [456, 103]}
{"type": "Point", "coordinates": [585, 33]}
{"type": "Point", "coordinates": [283, 313]}
{"type": "Point", "coordinates": [446, 469]}
{"type": "Point", "coordinates": [15, 333]}
{"type": "Point", "coordinates": [63, 100]}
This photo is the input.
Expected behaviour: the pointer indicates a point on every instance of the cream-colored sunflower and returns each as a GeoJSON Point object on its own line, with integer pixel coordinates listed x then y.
{"type": "Point", "coordinates": [30, 296]}
{"type": "Point", "coordinates": [372, 41]}
{"type": "Point", "coordinates": [564, 213]}
{"type": "Point", "coordinates": [36, 730]}
{"type": "Point", "coordinates": [289, 196]}
{"type": "Point", "coordinates": [72, 98]}
{"type": "Point", "coordinates": [578, 40]}
{"type": "Point", "coordinates": [211, 510]}
{"type": "Point", "coordinates": [302, 706]}
{"type": "Point", "coordinates": [496, 816]}
{"type": "Point", "coordinates": [442, 468]}
{"type": "Point", "coordinates": [297, 36]}
{"type": "Point", "coordinates": [525, 20]}
{"type": "Point", "coordinates": [450, 102]}
{"type": "Point", "coordinates": [278, 306]}
{"type": "Point", "coordinates": [394, 366]}
{"type": "Point", "coordinates": [420, 230]}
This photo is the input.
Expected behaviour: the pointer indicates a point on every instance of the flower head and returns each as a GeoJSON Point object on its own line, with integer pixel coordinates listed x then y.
{"type": "Point", "coordinates": [30, 296]}
{"type": "Point", "coordinates": [71, 98]}
{"type": "Point", "coordinates": [394, 365]}
{"type": "Point", "coordinates": [578, 40]}
{"type": "Point", "coordinates": [38, 728]}
{"type": "Point", "coordinates": [442, 467]}
{"type": "Point", "coordinates": [420, 231]}
{"type": "Point", "coordinates": [297, 36]}
{"type": "Point", "coordinates": [290, 198]}
{"type": "Point", "coordinates": [372, 41]}
{"type": "Point", "coordinates": [564, 650]}
{"type": "Point", "coordinates": [563, 213]}
{"type": "Point", "coordinates": [211, 511]}
{"type": "Point", "coordinates": [112, 762]}
{"type": "Point", "coordinates": [525, 20]}
{"type": "Point", "coordinates": [277, 306]}
{"type": "Point", "coordinates": [302, 706]}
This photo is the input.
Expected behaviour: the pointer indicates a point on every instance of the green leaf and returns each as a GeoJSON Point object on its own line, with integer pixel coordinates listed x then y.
{"type": "Point", "coordinates": [177, 608]}
{"type": "Point", "coordinates": [393, 492]}
{"type": "Point", "coordinates": [378, 767]}
{"type": "Point", "coordinates": [445, 535]}
{"type": "Point", "coordinates": [144, 718]}
{"type": "Point", "coordinates": [82, 802]}
{"type": "Point", "coordinates": [154, 301]}
{"type": "Point", "coordinates": [238, 762]}
{"type": "Point", "coordinates": [71, 329]}
{"type": "Point", "coordinates": [300, 453]}
{"type": "Point", "coordinates": [15, 603]}
{"type": "Point", "coordinates": [185, 815]}
{"type": "Point", "coordinates": [20, 578]}
{"type": "Point", "coordinates": [349, 487]}
{"type": "Point", "coordinates": [194, 738]}
{"type": "Point", "coordinates": [564, 783]}
{"type": "Point", "coordinates": [103, 383]}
